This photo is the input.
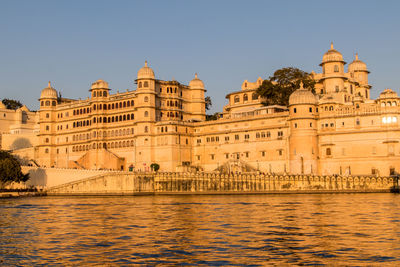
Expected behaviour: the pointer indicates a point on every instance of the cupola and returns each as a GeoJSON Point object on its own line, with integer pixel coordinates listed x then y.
{"type": "Point", "coordinates": [48, 92]}
{"type": "Point", "coordinates": [357, 65]}
{"type": "Point", "coordinates": [302, 96]}
{"type": "Point", "coordinates": [145, 72]}
{"type": "Point", "coordinates": [196, 83]}
{"type": "Point", "coordinates": [332, 55]}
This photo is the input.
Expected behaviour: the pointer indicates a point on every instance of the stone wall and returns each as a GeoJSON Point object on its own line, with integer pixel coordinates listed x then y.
{"type": "Point", "coordinates": [49, 177]}
{"type": "Point", "coordinates": [171, 183]}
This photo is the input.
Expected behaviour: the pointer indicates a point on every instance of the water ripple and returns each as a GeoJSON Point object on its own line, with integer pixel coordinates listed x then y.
{"type": "Point", "coordinates": [348, 229]}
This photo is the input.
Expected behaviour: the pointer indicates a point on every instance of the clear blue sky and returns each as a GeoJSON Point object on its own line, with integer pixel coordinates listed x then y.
{"type": "Point", "coordinates": [73, 43]}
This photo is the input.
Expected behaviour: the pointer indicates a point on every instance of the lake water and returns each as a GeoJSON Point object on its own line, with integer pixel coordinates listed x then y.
{"type": "Point", "coordinates": [242, 230]}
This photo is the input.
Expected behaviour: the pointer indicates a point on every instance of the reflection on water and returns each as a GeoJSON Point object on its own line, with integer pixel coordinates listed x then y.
{"type": "Point", "coordinates": [350, 229]}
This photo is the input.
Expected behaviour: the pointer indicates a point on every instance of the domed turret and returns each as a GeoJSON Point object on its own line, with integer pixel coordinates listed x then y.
{"type": "Point", "coordinates": [48, 92]}
{"type": "Point", "coordinates": [196, 83]}
{"type": "Point", "coordinates": [100, 84]}
{"type": "Point", "coordinates": [145, 72]}
{"type": "Point", "coordinates": [357, 65]}
{"type": "Point", "coordinates": [302, 96]}
{"type": "Point", "coordinates": [388, 93]}
{"type": "Point", "coordinates": [332, 55]}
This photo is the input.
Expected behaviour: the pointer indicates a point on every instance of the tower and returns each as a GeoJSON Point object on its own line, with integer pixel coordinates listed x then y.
{"type": "Point", "coordinates": [333, 71]}
{"type": "Point", "coordinates": [145, 116]}
{"type": "Point", "coordinates": [47, 122]}
{"type": "Point", "coordinates": [303, 140]}
{"type": "Point", "coordinates": [197, 102]}
{"type": "Point", "coordinates": [359, 72]}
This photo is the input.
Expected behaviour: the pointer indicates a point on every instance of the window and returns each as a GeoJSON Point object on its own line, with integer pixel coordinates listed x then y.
{"type": "Point", "coordinates": [212, 156]}
{"type": "Point", "coordinates": [245, 97]}
{"type": "Point", "coordinates": [227, 155]}
{"type": "Point", "coordinates": [236, 137]}
{"type": "Point", "coordinates": [47, 128]}
{"type": "Point", "coordinates": [146, 84]}
{"type": "Point", "coordinates": [280, 133]}
{"type": "Point", "coordinates": [198, 157]}
{"type": "Point", "coordinates": [199, 141]}
{"type": "Point", "coordinates": [254, 96]}
{"type": "Point", "coordinates": [46, 151]}
{"type": "Point", "coordinates": [146, 129]}
{"type": "Point", "coordinates": [226, 138]}
{"type": "Point", "coordinates": [105, 93]}
{"type": "Point", "coordinates": [237, 99]}
{"type": "Point", "coordinates": [295, 125]}
{"type": "Point", "coordinates": [336, 88]}
{"type": "Point", "coordinates": [146, 113]}
{"type": "Point", "coordinates": [336, 68]}
{"type": "Point", "coordinates": [310, 110]}
{"type": "Point", "coordinates": [47, 115]}
{"type": "Point", "coordinates": [246, 136]}
{"type": "Point", "coordinates": [262, 153]}
{"type": "Point", "coordinates": [295, 110]}
{"type": "Point", "coordinates": [328, 151]}
{"type": "Point", "coordinates": [140, 85]}
{"type": "Point", "coordinates": [47, 140]}
{"type": "Point", "coordinates": [47, 103]}
{"type": "Point", "coordinates": [146, 99]}
{"type": "Point", "coordinates": [247, 154]}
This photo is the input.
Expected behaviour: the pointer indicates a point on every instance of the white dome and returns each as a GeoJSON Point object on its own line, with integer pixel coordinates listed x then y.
{"type": "Point", "coordinates": [48, 92]}
{"type": "Point", "coordinates": [302, 96]}
{"type": "Point", "coordinates": [196, 83]}
{"type": "Point", "coordinates": [357, 65]}
{"type": "Point", "coordinates": [332, 55]}
{"type": "Point", "coordinates": [145, 72]}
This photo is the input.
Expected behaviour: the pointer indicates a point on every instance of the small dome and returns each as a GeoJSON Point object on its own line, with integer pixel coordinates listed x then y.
{"type": "Point", "coordinates": [145, 72]}
{"type": "Point", "coordinates": [332, 55]}
{"type": "Point", "coordinates": [388, 93]}
{"type": "Point", "coordinates": [357, 65]}
{"type": "Point", "coordinates": [196, 83]}
{"type": "Point", "coordinates": [48, 92]}
{"type": "Point", "coordinates": [302, 96]}
{"type": "Point", "coordinates": [100, 84]}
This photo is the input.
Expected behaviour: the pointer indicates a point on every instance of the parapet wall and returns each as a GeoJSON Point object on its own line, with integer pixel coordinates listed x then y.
{"type": "Point", "coordinates": [211, 183]}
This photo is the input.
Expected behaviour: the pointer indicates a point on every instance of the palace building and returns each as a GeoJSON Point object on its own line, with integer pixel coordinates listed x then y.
{"type": "Point", "coordinates": [339, 130]}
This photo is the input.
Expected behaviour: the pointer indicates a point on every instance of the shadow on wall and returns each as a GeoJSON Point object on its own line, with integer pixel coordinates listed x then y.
{"type": "Point", "coordinates": [20, 143]}
{"type": "Point", "coordinates": [37, 177]}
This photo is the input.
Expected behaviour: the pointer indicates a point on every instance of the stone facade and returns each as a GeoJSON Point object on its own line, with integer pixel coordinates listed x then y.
{"type": "Point", "coordinates": [18, 128]}
{"type": "Point", "coordinates": [339, 130]}
{"type": "Point", "coordinates": [211, 183]}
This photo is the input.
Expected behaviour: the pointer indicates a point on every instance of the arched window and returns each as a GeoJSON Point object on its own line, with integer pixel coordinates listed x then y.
{"type": "Point", "coordinates": [104, 93]}
{"type": "Point", "coordinates": [336, 68]}
{"type": "Point", "coordinates": [146, 99]}
{"type": "Point", "coordinates": [53, 103]}
{"type": "Point", "coordinates": [328, 151]}
{"type": "Point", "coordinates": [146, 129]}
{"type": "Point", "coordinates": [46, 151]}
{"type": "Point", "coordinates": [146, 84]}
{"type": "Point", "coordinates": [132, 103]}
{"type": "Point", "coordinates": [331, 108]}
{"type": "Point", "coordinates": [112, 105]}
{"type": "Point", "coordinates": [132, 116]}
{"type": "Point", "coordinates": [140, 85]}
{"type": "Point", "coordinates": [124, 118]}
{"type": "Point", "coordinates": [237, 99]}
{"type": "Point", "coordinates": [146, 113]}
{"type": "Point", "coordinates": [124, 105]}
{"type": "Point", "coordinates": [128, 117]}
{"type": "Point", "coordinates": [47, 103]}
{"type": "Point", "coordinates": [120, 117]}
{"type": "Point", "coordinates": [245, 97]}
{"type": "Point", "coordinates": [128, 104]}
{"type": "Point", "coordinates": [254, 96]}
{"type": "Point", "coordinates": [388, 104]}
{"type": "Point", "coordinates": [94, 94]}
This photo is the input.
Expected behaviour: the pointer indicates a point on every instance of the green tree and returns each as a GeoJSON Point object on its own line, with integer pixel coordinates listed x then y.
{"type": "Point", "coordinates": [277, 89]}
{"type": "Point", "coordinates": [10, 170]}
{"type": "Point", "coordinates": [212, 117]}
{"type": "Point", "coordinates": [155, 167]}
{"type": "Point", "coordinates": [208, 102]}
{"type": "Point", "coordinates": [11, 104]}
